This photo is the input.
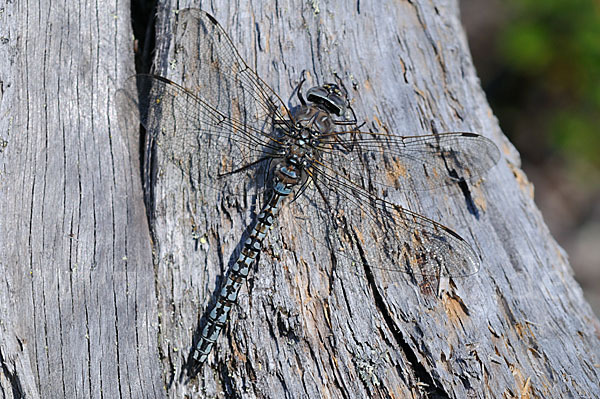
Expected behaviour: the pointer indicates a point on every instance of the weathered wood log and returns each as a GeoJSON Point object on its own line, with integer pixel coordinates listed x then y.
{"type": "Point", "coordinates": [79, 295]}
{"type": "Point", "coordinates": [78, 310]}
{"type": "Point", "coordinates": [308, 326]}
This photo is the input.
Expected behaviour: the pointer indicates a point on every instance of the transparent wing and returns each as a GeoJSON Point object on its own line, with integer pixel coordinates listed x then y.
{"type": "Point", "coordinates": [429, 161]}
{"type": "Point", "coordinates": [205, 143]}
{"type": "Point", "coordinates": [356, 169]}
{"type": "Point", "coordinates": [223, 120]}
{"type": "Point", "coordinates": [390, 236]}
{"type": "Point", "coordinates": [220, 76]}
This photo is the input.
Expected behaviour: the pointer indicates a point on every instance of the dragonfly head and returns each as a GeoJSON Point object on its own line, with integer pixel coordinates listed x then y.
{"type": "Point", "coordinates": [330, 97]}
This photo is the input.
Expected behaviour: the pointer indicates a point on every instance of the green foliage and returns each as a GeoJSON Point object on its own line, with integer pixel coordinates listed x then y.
{"type": "Point", "coordinates": [554, 47]}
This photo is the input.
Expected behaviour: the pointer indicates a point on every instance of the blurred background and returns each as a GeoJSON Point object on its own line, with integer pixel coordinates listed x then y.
{"type": "Point", "coordinates": [539, 64]}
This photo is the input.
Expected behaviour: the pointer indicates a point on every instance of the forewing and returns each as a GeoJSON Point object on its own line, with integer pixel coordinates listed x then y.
{"type": "Point", "coordinates": [219, 73]}
{"type": "Point", "coordinates": [410, 163]}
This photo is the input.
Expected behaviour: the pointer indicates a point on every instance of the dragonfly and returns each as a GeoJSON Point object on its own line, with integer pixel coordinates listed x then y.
{"type": "Point", "coordinates": [228, 131]}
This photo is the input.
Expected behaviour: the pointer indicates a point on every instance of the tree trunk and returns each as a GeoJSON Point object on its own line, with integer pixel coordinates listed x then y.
{"type": "Point", "coordinates": [84, 313]}
{"type": "Point", "coordinates": [78, 309]}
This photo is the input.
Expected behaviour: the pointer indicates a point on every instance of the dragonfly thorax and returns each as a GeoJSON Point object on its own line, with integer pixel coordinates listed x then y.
{"type": "Point", "coordinates": [300, 154]}
{"type": "Point", "coordinates": [313, 122]}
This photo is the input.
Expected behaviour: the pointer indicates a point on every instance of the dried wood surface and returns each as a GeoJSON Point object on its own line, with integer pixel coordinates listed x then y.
{"type": "Point", "coordinates": [84, 311]}
{"type": "Point", "coordinates": [78, 310]}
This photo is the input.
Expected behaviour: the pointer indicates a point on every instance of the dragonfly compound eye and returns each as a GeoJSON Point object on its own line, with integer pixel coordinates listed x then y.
{"type": "Point", "coordinates": [328, 97]}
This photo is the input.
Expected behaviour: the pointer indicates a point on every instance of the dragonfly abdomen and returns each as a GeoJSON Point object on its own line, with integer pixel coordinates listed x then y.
{"type": "Point", "coordinates": [219, 314]}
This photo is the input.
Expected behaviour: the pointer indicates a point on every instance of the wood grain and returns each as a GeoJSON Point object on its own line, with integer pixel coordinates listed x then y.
{"type": "Point", "coordinates": [77, 284]}
{"type": "Point", "coordinates": [84, 313]}
{"type": "Point", "coordinates": [308, 325]}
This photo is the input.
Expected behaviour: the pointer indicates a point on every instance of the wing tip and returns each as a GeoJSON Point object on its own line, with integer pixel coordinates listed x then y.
{"type": "Point", "coordinates": [453, 233]}
{"type": "Point", "coordinates": [212, 19]}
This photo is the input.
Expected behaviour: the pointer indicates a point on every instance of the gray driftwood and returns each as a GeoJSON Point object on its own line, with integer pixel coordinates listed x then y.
{"type": "Point", "coordinates": [88, 310]}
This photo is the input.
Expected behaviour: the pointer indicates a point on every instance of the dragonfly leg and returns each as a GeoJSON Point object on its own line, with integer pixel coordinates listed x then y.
{"type": "Point", "coordinates": [299, 89]}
